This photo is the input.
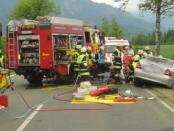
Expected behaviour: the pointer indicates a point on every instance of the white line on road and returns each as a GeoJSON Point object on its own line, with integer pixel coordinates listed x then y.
{"type": "Point", "coordinates": [26, 122]}
{"type": "Point", "coordinates": [161, 101]}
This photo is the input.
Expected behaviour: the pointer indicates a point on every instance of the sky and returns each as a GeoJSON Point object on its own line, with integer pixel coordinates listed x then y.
{"type": "Point", "coordinates": [131, 7]}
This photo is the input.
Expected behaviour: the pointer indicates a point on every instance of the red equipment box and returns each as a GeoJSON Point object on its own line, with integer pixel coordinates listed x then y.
{"type": "Point", "coordinates": [4, 100]}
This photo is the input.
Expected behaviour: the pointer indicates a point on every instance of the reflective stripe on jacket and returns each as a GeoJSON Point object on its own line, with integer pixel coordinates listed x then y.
{"type": "Point", "coordinates": [134, 64]}
{"type": "Point", "coordinates": [117, 53]}
{"type": "Point", "coordinates": [80, 58]}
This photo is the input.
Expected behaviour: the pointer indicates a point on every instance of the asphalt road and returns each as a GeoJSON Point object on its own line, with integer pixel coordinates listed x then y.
{"type": "Point", "coordinates": [144, 115]}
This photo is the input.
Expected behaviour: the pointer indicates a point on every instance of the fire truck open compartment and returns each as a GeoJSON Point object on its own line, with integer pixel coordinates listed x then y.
{"type": "Point", "coordinates": [28, 51]}
{"type": "Point", "coordinates": [64, 46]}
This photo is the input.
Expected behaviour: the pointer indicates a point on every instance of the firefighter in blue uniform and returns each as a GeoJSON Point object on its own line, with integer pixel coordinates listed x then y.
{"type": "Point", "coordinates": [100, 60]}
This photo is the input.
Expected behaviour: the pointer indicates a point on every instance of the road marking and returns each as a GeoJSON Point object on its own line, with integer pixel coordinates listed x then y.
{"type": "Point", "coordinates": [27, 121]}
{"type": "Point", "coordinates": [161, 101]}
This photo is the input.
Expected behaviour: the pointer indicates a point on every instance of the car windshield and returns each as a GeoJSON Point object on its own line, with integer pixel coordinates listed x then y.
{"type": "Point", "coordinates": [109, 48]}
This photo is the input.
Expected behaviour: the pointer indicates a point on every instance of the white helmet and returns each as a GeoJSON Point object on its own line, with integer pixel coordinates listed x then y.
{"type": "Point", "coordinates": [83, 50]}
{"type": "Point", "coordinates": [102, 48]}
{"type": "Point", "coordinates": [78, 46]}
{"type": "Point", "coordinates": [140, 52]}
{"type": "Point", "coordinates": [147, 48]}
{"type": "Point", "coordinates": [136, 58]}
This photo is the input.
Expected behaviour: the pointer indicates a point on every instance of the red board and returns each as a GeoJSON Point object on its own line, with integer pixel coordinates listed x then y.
{"type": "Point", "coordinates": [4, 100]}
{"type": "Point", "coordinates": [62, 69]}
{"type": "Point", "coordinates": [100, 91]}
{"type": "Point", "coordinates": [46, 49]}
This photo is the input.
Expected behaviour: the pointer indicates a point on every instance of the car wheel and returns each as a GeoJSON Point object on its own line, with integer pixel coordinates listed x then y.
{"type": "Point", "coordinates": [137, 82]}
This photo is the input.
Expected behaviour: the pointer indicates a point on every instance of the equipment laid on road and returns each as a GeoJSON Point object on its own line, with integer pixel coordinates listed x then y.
{"type": "Point", "coordinates": [86, 93]}
{"type": "Point", "coordinates": [84, 89]}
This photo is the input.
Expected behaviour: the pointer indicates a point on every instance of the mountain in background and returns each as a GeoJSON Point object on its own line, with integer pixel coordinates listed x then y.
{"type": "Point", "coordinates": [91, 12]}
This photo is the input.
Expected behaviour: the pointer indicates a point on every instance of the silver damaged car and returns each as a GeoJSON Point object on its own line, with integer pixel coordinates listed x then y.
{"type": "Point", "coordinates": [154, 69]}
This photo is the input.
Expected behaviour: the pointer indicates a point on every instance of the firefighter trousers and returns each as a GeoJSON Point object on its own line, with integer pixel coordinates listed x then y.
{"type": "Point", "coordinates": [116, 73]}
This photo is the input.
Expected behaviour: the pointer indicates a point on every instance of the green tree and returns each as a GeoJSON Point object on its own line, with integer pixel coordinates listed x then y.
{"type": "Point", "coordinates": [140, 39]}
{"type": "Point", "coordinates": [2, 44]}
{"type": "Point", "coordinates": [112, 28]}
{"type": "Point", "coordinates": [105, 26]}
{"type": "Point", "coordinates": [30, 9]}
{"type": "Point", "coordinates": [159, 7]}
{"type": "Point", "coordinates": [168, 37]}
{"type": "Point", "coordinates": [115, 29]}
{"type": "Point", "coordinates": [151, 38]}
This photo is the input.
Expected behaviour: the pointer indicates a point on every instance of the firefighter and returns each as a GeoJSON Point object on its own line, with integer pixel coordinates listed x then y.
{"type": "Point", "coordinates": [140, 54]}
{"type": "Point", "coordinates": [1, 59]}
{"type": "Point", "coordinates": [132, 66]}
{"type": "Point", "coordinates": [126, 63]}
{"type": "Point", "coordinates": [77, 50]}
{"type": "Point", "coordinates": [117, 65]}
{"type": "Point", "coordinates": [147, 51]}
{"type": "Point", "coordinates": [81, 68]}
{"type": "Point", "coordinates": [100, 61]}
{"type": "Point", "coordinates": [90, 56]}
{"type": "Point", "coordinates": [91, 61]}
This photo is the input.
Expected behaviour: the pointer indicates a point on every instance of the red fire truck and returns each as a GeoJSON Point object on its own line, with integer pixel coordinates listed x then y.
{"type": "Point", "coordinates": [45, 47]}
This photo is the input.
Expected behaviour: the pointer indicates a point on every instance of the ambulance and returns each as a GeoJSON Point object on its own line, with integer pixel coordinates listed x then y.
{"type": "Point", "coordinates": [110, 44]}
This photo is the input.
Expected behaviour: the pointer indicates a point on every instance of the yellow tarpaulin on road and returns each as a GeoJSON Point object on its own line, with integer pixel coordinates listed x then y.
{"type": "Point", "coordinates": [108, 99]}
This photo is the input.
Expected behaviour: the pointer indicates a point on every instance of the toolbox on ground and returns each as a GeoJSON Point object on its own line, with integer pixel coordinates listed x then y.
{"type": "Point", "coordinates": [4, 100]}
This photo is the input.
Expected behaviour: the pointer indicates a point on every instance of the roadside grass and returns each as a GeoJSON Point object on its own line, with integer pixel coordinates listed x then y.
{"type": "Point", "coordinates": [166, 51]}
{"type": "Point", "coordinates": [165, 94]}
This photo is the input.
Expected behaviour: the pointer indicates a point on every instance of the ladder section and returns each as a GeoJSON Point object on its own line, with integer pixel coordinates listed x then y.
{"type": "Point", "coordinates": [12, 50]}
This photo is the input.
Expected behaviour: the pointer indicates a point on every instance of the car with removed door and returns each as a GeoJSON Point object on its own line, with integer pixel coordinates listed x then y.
{"type": "Point", "coordinates": [154, 69]}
